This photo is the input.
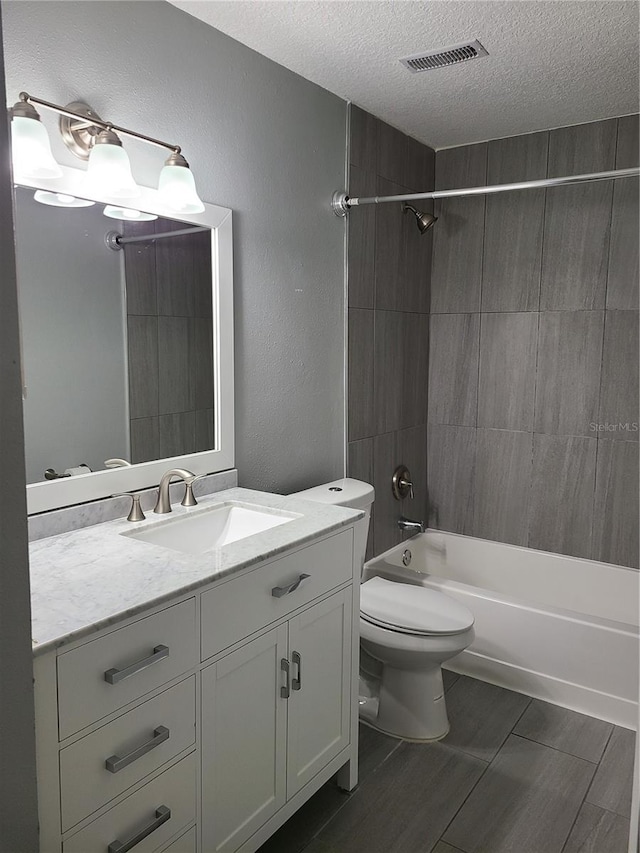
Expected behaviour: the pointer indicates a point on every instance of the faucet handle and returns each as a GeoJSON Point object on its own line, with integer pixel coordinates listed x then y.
{"type": "Point", "coordinates": [189, 498]}
{"type": "Point", "coordinates": [401, 483]}
{"type": "Point", "coordinates": [135, 513]}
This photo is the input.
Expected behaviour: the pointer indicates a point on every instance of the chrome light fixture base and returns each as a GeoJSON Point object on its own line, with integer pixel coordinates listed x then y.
{"type": "Point", "coordinates": [339, 204]}
{"type": "Point", "coordinates": [80, 136]}
{"type": "Point", "coordinates": [23, 109]}
{"type": "Point", "coordinates": [176, 159]}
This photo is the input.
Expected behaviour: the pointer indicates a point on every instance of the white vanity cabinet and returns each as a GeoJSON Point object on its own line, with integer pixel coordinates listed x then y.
{"type": "Point", "coordinates": [274, 714]}
{"type": "Point", "coordinates": [202, 725]}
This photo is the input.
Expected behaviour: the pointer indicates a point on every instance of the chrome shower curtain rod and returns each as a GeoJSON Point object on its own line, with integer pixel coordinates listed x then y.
{"type": "Point", "coordinates": [341, 202]}
{"type": "Point", "coordinates": [148, 238]}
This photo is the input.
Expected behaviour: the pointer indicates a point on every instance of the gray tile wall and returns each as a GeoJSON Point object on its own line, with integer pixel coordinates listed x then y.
{"type": "Point", "coordinates": [169, 308]}
{"type": "Point", "coordinates": [389, 267]}
{"type": "Point", "coordinates": [534, 346]}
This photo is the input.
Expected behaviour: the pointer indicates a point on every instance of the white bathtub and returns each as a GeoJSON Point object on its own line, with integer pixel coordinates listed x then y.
{"type": "Point", "coordinates": [558, 628]}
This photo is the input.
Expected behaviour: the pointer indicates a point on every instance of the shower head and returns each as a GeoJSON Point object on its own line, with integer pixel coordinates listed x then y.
{"type": "Point", "coordinates": [424, 221]}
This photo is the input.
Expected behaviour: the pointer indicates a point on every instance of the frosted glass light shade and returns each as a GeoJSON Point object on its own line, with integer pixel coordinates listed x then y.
{"type": "Point", "coordinates": [61, 199]}
{"type": "Point", "coordinates": [128, 214]}
{"type": "Point", "coordinates": [177, 189]}
{"type": "Point", "coordinates": [109, 173]}
{"type": "Point", "coordinates": [31, 150]}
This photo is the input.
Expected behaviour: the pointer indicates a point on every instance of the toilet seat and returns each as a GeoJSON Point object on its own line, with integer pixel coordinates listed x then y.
{"type": "Point", "coordinates": [408, 609]}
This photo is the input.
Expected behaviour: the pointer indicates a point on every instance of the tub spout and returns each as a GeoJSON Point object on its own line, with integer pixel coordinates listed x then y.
{"type": "Point", "coordinates": [413, 526]}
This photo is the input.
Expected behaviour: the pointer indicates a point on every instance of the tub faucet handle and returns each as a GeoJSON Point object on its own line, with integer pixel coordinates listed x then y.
{"type": "Point", "coordinates": [401, 483]}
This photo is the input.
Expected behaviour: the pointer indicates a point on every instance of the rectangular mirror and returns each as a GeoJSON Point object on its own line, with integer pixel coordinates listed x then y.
{"type": "Point", "coordinates": [127, 342]}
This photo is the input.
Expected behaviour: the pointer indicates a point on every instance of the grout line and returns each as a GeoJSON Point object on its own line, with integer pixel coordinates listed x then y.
{"type": "Point", "coordinates": [533, 424]}
{"type": "Point", "coordinates": [462, 804]}
{"type": "Point", "coordinates": [595, 472]}
{"type": "Point", "coordinates": [347, 799]}
{"type": "Point", "coordinates": [586, 793]}
{"type": "Point", "coordinates": [571, 828]}
{"type": "Point", "coordinates": [510, 732]}
{"type": "Point", "coordinates": [613, 193]}
{"type": "Point", "coordinates": [351, 794]}
{"type": "Point", "coordinates": [557, 749]}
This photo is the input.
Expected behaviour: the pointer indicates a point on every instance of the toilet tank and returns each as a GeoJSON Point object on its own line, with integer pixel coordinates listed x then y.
{"type": "Point", "coordinates": [350, 493]}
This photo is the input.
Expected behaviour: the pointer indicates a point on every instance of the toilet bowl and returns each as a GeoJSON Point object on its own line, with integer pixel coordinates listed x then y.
{"type": "Point", "coordinates": [411, 631]}
{"type": "Point", "coordinates": [406, 634]}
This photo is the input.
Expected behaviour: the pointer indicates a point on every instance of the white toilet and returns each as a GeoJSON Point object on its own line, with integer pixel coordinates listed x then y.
{"type": "Point", "coordinates": [408, 630]}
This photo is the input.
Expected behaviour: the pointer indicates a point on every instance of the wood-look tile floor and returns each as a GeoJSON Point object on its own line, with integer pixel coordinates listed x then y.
{"type": "Point", "coordinates": [514, 775]}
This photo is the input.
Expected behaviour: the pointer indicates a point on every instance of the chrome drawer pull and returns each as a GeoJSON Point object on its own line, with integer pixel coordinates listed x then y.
{"type": "Point", "coordinates": [296, 659]}
{"type": "Point", "coordinates": [113, 676]}
{"type": "Point", "coordinates": [285, 691]}
{"type": "Point", "coordinates": [114, 764]}
{"type": "Point", "coordinates": [163, 814]}
{"type": "Point", "coordinates": [279, 591]}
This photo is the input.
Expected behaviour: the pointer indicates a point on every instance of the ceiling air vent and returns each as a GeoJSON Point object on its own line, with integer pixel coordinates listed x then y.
{"type": "Point", "coordinates": [432, 59]}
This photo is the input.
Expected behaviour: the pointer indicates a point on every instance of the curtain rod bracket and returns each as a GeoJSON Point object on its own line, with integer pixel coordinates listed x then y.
{"type": "Point", "coordinates": [340, 203]}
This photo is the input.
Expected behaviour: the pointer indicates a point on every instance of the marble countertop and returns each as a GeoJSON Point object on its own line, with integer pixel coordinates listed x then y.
{"type": "Point", "coordinates": [85, 580]}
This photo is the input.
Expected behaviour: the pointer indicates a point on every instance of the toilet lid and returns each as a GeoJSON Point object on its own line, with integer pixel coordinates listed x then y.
{"type": "Point", "coordinates": [412, 609]}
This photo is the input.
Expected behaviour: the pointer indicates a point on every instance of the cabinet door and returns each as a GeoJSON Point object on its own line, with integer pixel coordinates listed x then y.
{"type": "Point", "coordinates": [319, 707]}
{"type": "Point", "coordinates": [244, 721]}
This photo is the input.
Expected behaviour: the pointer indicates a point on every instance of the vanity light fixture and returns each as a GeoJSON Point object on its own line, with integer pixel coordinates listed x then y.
{"type": "Point", "coordinates": [128, 214]}
{"type": "Point", "coordinates": [90, 138]}
{"type": "Point", "coordinates": [61, 199]}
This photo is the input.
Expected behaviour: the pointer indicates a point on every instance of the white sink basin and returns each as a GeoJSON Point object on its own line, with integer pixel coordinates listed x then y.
{"type": "Point", "coordinates": [206, 529]}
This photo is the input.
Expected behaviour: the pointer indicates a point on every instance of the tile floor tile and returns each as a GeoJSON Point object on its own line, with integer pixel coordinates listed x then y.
{"type": "Point", "coordinates": [526, 802]}
{"type": "Point", "coordinates": [406, 808]}
{"type": "Point", "coordinates": [481, 716]}
{"type": "Point", "coordinates": [568, 731]}
{"type": "Point", "coordinates": [373, 749]}
{"type": "Point", "coordinates": [443, 847]}
{"type": "Point", "coordinates": [298, 831]}
{"type": "Point", "coordinates": [611, 788]}
{"type": "Point", "coordinates": [449, 678]}
{"type": "Point", "coordinates": [597, 831]}
{"type": "Point", "coordinates": [319, 846]}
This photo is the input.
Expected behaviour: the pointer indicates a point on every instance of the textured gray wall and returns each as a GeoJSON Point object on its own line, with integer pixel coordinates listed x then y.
{"type": "Point", "coordinates": [72, 315]}
{"type": "Point", "coordinates": [261, 141]}
{"type": "Point", "coordinates": [18, 806]}
{"type": "Point", "coordinates": [389, 278]}
{"type": "Point", "coordinates": [533, 384]}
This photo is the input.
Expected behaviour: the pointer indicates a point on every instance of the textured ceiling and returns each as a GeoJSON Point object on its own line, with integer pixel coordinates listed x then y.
{"type": "Point", "coordinates": [551, 63]}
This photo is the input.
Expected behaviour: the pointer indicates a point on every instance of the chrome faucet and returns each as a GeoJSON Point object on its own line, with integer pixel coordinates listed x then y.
{"type": "Point", "coordinates": [413, 526]}
{"type": "Point", "coordinates": [163, 504]}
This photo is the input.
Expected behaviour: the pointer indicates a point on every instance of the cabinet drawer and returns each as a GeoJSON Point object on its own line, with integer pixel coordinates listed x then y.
{"type": "Point", "coordinates": [90, 678]}
{"type": "Point", "coordinates": [165, 725]}
{"type": "Point", "coordinates": [144, 813]}
{"type": "Point", "coordinates": [245, 604]}
{"type": "Point", "coordinates": [185, 844]}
